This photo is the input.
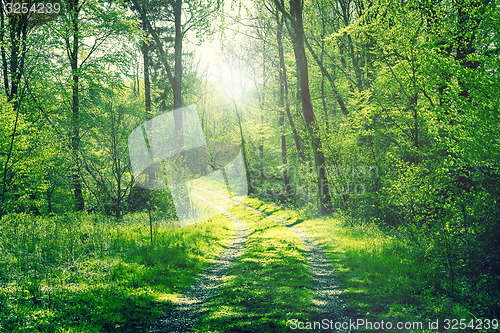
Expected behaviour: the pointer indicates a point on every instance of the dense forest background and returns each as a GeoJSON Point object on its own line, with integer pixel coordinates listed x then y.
{"type": "Point", "coordinates": [378, 111]}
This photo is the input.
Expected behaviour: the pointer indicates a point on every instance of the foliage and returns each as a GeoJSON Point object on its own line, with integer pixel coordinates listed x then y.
{"type": "Point", "coordinates": [398, 275]}
{"type": "Point", "coordinates": [88, 273]}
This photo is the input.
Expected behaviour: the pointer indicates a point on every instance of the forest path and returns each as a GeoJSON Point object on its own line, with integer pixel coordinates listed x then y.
{"type": "Point", "coordinates": [327, 303]}
{"type": "Point", "coordinates": [221, 303]}
{"type": "Point", "coordinates": [188, 308]}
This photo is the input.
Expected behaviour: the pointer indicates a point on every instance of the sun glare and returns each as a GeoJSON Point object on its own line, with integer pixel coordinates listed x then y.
{"type": "Point", "coordinates": [232, 80]}
{"type": "Point", "coordinates": [225, 69]}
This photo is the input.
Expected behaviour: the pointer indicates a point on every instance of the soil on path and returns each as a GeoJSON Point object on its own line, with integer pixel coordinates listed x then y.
{"type": "Point", "coordinates": [327, 301]}
{"type": "Point", "coordinates": [188, 309]}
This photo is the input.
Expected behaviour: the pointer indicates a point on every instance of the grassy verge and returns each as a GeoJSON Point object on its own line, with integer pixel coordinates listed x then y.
{"type": "Point", "coordinates": [267, 287]}
{"type": "Point", "coordinates": [85, 273]}
{"type": "Point", "coordinates": [383, 274]}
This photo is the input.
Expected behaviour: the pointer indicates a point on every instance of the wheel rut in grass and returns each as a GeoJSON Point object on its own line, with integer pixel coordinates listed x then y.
{"type": "Point", "coordinates": [327, 303]}
{"type": "Point", "coordinates": [188, 308]}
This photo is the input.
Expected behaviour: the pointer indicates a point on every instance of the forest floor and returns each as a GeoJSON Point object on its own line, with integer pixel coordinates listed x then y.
{"type": "Point", "coordinates": [256, 268]}
{"type": "Point", "coordinates": [272, 274]}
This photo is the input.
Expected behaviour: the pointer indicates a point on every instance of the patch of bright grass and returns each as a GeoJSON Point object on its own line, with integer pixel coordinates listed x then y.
{"type": "Point", "coordinates": [89, 274]}
{"type": "Point", "coordinates": [267, 287]}
{"type": "Point", "coordinates": [383, 277]}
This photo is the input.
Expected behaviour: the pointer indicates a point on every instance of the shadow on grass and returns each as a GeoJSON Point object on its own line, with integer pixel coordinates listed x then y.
{"type": "Point", "coordinates": [267, 287]}
{"type": "Point", "coordinates": [115, 281]}
{"type": "Point", "coordinates": [110, 308]}
{"type": "Point", "coordinates": [297, 221]}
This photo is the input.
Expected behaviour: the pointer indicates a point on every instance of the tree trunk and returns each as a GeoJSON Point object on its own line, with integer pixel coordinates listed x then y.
{"type": "Point", "coordinates": [117, 170]}
{"type": "Point", "coordinates": [284, 82]}
{"type": "Point", "coordinates": [147, 94]}
{"type": "Point", "coordinates": [75, 108]}
{"type": "Point", "coordinates": [296, 7]}
{"type": "Point", "coordinates": [282, 69]}
{"type": "Point", "coordinates": [325, 73]}
{"type": "Point", "coordinates": [4, 53]}
{"type": "Point", "coordinates": [243, 148]}
{"type": "Point", "coordinates": [177, 84]}
{"type": "Point", "coordinates": [147, 82]}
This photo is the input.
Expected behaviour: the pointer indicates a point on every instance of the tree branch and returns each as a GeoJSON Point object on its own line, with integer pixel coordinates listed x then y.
{"type": "Point", "coordinates": [283, 11]}
{"type": "Point", "coordinates": [157, 41]}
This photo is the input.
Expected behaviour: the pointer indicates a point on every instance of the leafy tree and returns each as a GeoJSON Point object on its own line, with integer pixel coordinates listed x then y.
{"type": "Point", "coordinates": [296, 19]}
{"type": "Point", "coordinates": [80, 20]}
{"type": "Point", "coordinates": [107, 160]}
{"type": "Point", "coordinates": [20, 38]}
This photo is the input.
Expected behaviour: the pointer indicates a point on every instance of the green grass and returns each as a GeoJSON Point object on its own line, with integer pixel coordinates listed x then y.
{"type": "Point", "coordinates": [85, 273]}
{"type": "Point", "coordinates": [267, 287]}
{"type": "Point", "coordinates": [383, 275]}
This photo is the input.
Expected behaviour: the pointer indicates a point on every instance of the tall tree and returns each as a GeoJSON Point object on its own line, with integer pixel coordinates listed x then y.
{"type": "Point", "coordinates": [294, 15]}
{"type": "Point", "coordinates": [72, 50]}
{"type": "Point", "coordinates": [284, 104]}
{"type": "Point", "coordinates": [82, 16]}
{"type": "Point", "coordinates": [13, 50]}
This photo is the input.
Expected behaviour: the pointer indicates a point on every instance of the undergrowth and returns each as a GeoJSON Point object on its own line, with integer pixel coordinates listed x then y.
{"type": "Point", "coordinates": [388, 274]}
{"type": "Point", "coordinates": [87, 273]}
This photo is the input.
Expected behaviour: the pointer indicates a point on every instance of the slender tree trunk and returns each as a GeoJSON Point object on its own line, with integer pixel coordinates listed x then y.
{"type": "Point", "coordinates": [243, 147]}
{"type": "Point", "coordinates": [325, 73]}
{"type": "Point", "coordinates": [282, 69]}
{"type": "Point", "coordinates": [323, 101]}
{"type": "Point", "coordinates": [177, 91]}
{"type": "Point", "coordinates": [177, 84]}
{"type": "Point", "coordinates": [147, 95]}
{"type": "Point", "coordinates": [263, 102]}
{"type": "Point", "coordinates": [322, 57]}
{"type": "Point", "coordinates": [345, 11]}
{"type": "Point", "coordinates": [150, 224]}
{"type": "Point", "coordinates": [296, 7]}
{"type": "Point", "coordinates": [414, 110]}
{"type": "Point", "coordinates": [296, 137]}
{"type": "Point", "coordinates": [5, 68]}
{"type": "Point", "coordinates": [75, 108]}
{"type": "Point", "coordinates": [147, 82]}
{"type": "Point", "coordinates": [355, 64]}
{"type": "Point", "coordinates": [321, 13]}
{"type": "Point", "coordinates": [138, 81]}
{"type": "Point", "coordinates": [115, 121]}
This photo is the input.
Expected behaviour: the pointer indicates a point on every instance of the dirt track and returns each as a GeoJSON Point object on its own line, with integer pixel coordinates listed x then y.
{"type": "Point", "coordinates": [189, 308]}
